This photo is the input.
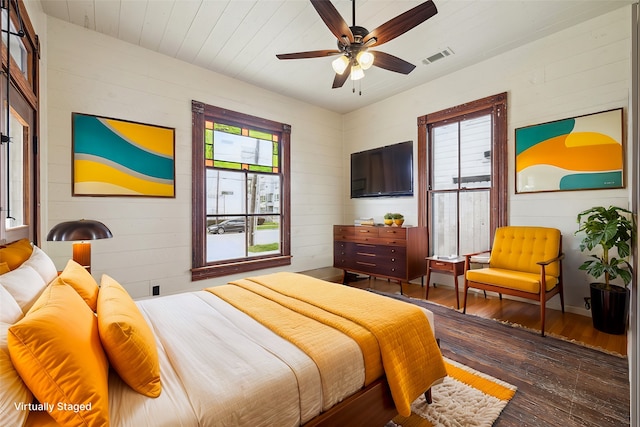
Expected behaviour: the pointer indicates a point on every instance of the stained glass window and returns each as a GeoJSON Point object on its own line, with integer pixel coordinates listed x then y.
{"type": "Point", "coordinates": [244, 190]}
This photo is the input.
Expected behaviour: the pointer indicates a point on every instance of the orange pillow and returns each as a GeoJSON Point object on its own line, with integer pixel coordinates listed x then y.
{"type": "Point", "coordinates": [56, 350]}
{"type": "Point", "coordinates": [127, 339]}
{"type": "Point", "coordinates": [82, 281]}
{"type": "Point", "coordinates": [14, 254]}
{"type": "Point", "coordinates": [4, 268]}
{"type": "Point", "coordinates": [13, 388]}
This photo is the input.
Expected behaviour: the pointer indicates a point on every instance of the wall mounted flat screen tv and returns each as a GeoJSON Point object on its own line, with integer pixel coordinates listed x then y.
{"type": "Point", "coordinates": [384, 171]}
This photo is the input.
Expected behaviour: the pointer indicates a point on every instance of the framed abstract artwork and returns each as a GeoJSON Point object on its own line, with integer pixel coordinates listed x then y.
{"type": "Point", "coordinates": [580, 153]}
{"type": "Point", "coordinates": [113, 157]}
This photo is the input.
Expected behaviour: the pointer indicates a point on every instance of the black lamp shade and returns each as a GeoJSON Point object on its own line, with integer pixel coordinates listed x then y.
{"type": "Point", "coordinates": [83, 229]}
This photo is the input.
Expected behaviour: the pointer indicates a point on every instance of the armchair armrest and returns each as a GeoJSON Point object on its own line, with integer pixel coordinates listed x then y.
{"type": "Point", "coordinates": [477, 253]}
{"type": "Point", "coordinates": [547, 262]}
{"type": "Point", "coordinates": [467, 258]}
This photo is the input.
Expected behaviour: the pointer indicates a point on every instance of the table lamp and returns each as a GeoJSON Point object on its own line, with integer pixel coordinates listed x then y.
{"type": "Point", "coordinates": [80, 232]}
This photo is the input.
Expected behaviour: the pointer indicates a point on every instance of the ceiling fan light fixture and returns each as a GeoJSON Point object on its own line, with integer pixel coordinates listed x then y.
{"type": "Point", "coordinates": [365, 59]}
{"type": "Point", "coordinates": [356, 72]}
{"type": "Point", "coordinates": [340, 64]}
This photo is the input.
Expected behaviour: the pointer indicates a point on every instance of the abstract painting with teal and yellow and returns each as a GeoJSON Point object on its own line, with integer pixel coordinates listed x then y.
{"type": "Point", "coordinates": [121, 158]}
{"type": "Point", "coordinates": [573, 154]}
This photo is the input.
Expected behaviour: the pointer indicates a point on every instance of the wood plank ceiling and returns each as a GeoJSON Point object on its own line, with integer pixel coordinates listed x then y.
{"type": "Point", "coordinates": [240, 38]}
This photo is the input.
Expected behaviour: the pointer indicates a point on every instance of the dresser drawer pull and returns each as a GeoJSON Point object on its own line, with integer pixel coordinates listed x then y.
{"type": "Point", "coordinates": [369, 264]}
{"type": "Point", "coordinates": [362, 245]}
{"type": "Point", "coordinates": [365, 254]}
{"type": "Point", "coordinates": [364, 231]}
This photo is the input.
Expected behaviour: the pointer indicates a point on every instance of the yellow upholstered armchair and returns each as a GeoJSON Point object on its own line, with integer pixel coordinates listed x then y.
{"type": "Point", "coordinates": [525, 262]}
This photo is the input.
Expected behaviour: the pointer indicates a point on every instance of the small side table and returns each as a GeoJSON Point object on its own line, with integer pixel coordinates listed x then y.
{"type": "Point", "coordinates": [451, 266]}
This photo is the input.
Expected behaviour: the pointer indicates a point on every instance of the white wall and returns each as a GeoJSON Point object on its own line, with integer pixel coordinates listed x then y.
{"type": "Point", "coordinates": [91, 73]}
{"type": "Point", "coordinates": [581, 70]}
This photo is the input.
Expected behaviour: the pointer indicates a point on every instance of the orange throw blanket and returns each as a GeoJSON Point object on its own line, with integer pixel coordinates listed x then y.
{"type": "Point", "coordinates": [402, 337]}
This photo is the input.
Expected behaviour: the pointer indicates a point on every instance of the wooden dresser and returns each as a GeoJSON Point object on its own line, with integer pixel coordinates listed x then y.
{"type": "Point", "coordinates": [391, 252]}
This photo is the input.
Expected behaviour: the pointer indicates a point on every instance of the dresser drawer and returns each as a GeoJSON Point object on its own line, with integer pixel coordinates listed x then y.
{"type": "Point", "coordinates": [397, 233]}
{"type": "Point", "coordinates": [391, 252]}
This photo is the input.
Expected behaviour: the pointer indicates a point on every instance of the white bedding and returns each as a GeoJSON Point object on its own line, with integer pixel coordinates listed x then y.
{"type": "Point", "coordinates": [219, 367]}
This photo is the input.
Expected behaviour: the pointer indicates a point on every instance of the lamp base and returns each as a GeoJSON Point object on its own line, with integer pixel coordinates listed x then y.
{"type": "Point", "coordinates": [82, 254]}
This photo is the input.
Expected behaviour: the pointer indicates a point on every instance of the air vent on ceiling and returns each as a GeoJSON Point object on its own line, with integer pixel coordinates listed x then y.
{"type": "Point", "coordinates": [437, 56]}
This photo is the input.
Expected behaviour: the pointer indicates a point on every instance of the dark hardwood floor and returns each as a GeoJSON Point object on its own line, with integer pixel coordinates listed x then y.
{"type": "Point", "coordinates": [567, 325]}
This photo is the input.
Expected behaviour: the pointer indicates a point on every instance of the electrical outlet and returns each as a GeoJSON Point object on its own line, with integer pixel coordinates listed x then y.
{"type": "Point", "coordinates": [155, 290]}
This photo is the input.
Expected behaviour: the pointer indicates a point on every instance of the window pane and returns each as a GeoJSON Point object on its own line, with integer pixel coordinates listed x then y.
{"type": "Point", "coordinates": [225, 192]}
{"type": "Point", "coordinates": [266, 189]}
{"type": "Point", "coordinates": [18, 50]}
{"type": "Point", "coordinates": [475, 152]}
{"type": "Point", "coordinates": [226, 238]}
{"type": "Point", "coordinates": [445, 157]}
{"type": "Point", "coordinates": [444, 214]}
{"type": "Point", "coordinates": [234, 151]}
{"type": "Point", "coordinates": [475, 227]}
{"type": "Point", "coordinates": [17, 189]}
{"type": "Point", "coordinates": [265, 235]}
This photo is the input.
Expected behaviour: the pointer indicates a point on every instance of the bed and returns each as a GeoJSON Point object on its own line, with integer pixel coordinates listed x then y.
{"type": "Point", "coordinates": [278, 349]}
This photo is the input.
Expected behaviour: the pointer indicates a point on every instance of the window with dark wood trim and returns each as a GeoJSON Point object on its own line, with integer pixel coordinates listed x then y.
{"type": "Point", "coordinates": [241, 192]}
{"type": "Point", "coordinates": [19, 189]}
{"type": "Point", "coordinates": [454, 196]}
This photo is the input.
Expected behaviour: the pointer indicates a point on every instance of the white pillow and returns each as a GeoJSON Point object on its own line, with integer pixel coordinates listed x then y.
{"type": "Point", "coordinates": [13, 389]}
{"type": "Point", "coordinates": [41, 263]}
{"type": "Point", "coordinates": [24, 284]}
{"type": "Point", "coordinates": [10, 311]}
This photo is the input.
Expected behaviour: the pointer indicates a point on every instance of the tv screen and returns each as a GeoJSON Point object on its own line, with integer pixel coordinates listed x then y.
{"type": "Point", "coordinates": [385, 171]}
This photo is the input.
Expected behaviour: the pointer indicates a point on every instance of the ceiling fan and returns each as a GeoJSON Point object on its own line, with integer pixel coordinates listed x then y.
{"type": "Point", "coordinates": [354, 42]}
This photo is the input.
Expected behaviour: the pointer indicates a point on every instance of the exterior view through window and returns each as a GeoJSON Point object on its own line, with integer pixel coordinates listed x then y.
{"type": "Point", "coordinates": [243, 192]}
{"type": "Point", "coordinates": [462, 164]}
{"type": "Point", "coordinates": [461, 185]}
{"type": "Point", "coordinates": [240, 192]}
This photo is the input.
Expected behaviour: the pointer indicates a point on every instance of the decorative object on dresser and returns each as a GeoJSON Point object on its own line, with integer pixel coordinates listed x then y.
{"type": "Point", "coordinates": [79, 232]}
{"type": "Point", "coordinates": [396, 253]}
{"type": "Point", "coordinates": [398, 219]}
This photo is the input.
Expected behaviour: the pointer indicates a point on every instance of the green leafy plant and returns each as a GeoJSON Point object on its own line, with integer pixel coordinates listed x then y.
{"type": "Point", "coordinates": [397, 216]}
{"type": "Point", "coordinates": [388, 216]}
{"type": "Point", "coordinates": [608, 229]}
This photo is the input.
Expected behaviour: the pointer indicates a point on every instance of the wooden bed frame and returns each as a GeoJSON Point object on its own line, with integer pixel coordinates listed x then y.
{"type": "Point", "coordinates": [370, 407]}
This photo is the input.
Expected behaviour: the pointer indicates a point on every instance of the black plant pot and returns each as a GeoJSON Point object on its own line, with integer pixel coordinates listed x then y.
{"type": "Point", "coordinates": [609, 308]}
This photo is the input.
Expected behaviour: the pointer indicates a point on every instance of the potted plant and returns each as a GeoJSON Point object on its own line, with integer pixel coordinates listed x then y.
{"type": "Point", "coordinates": [388, 219]}
{"type": "Point", "coordinates": [606, 230]}
{"type": "Point", "coordinates": [398, 219]}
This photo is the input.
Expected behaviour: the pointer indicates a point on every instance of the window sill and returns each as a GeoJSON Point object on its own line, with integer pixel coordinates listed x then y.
{"type": "Point", "coordinates": [219, 270]}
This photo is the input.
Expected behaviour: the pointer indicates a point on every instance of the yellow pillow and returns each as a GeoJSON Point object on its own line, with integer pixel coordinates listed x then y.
{"type": "Point", "coordinates": [56, 350]}
{"type": "Point", "coordinates": [14, 254]}
{"type": "Point", "coordinates": [4, 268]}
{"type": "Point", "coordinates": [127, 339]}
{"type": "Point", "coordinates": [82, 281]}
{"type": "Point", "coordinates": [13, 388]}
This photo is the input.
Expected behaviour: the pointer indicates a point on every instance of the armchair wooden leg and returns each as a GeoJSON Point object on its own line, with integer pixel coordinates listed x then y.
{"type": "Point", "coordinates": [427, 396]}
{"type": "Point", "coordinates": [464, 302]}
{"type": "Point", "coordinates": [542, 313]}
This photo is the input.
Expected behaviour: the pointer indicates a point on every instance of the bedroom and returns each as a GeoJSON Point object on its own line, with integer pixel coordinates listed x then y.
{"type": "Point", "coordinates": [83, 71]}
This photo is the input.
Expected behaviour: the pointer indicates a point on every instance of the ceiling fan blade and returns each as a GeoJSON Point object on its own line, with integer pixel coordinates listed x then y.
{"type": "Point", "coordinates": [403, 23]}
{"type": "Point", "coordinates": [309, 54]}
{"type": "Point", "coordinates": [339, 79]}
{"type": "Point", "coordinates": [332, 19]}
{"type": "Point", "coordinates": [392, 63]}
